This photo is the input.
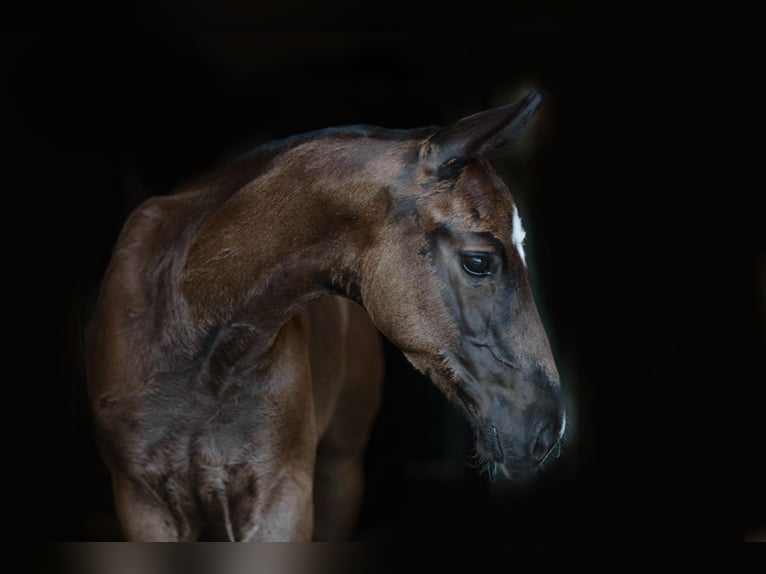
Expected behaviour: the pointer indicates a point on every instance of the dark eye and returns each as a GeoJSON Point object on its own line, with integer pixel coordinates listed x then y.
{"type": "Point", "coordinates": [476, 264]}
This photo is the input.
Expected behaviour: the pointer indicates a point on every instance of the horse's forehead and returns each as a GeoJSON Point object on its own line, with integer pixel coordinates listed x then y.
{"type": "Point", "coordinates": [479, 202]}
{"type": "Point", "coordinates": [482, 189]}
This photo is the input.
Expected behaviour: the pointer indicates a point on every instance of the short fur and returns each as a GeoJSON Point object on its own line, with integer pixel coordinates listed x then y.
{"type": "Point", "coordinates": [228, 389]}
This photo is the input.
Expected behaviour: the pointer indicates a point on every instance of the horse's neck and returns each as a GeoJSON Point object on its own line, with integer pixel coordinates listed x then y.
{"type": "Point", "coordinates": [297, 231]}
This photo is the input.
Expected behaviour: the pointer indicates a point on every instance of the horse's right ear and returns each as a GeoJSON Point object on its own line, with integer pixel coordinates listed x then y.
{"type": "Point", "coordinates": [450, 148]}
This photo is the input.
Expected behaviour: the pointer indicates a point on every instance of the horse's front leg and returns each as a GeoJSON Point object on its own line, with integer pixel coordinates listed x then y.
{"type": "Point", "coordinates": [268, 492]}
{"type": "Point", "coordinates": [160, 514]}
{"type": "Point", "coordinates": [264, 491]}
{"type": "Point", "coordinates": [285, 511]}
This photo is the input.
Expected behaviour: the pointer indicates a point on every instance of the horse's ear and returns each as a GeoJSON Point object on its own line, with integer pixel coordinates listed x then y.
{"type": "Point", "coordinates": [450, 148]}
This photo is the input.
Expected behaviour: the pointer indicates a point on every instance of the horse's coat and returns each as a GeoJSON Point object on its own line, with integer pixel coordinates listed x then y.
{"type": "Point", "coordinates": [230, 392]}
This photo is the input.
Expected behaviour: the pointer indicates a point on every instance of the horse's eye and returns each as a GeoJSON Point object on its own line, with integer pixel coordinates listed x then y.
{"type": "Point", "coordinates": [476, 264]}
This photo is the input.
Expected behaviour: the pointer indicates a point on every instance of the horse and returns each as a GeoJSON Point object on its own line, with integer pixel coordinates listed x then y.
{"type": "Point", "coordinates": [234, 362]}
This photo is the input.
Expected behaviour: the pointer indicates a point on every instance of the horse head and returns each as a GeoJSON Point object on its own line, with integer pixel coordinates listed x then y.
{"type": "Point", "coordinates": [447, 283]}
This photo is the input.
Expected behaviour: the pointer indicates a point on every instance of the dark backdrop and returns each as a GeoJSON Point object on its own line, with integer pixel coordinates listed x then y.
{"type": "Point", "coordinates": [103, 123]}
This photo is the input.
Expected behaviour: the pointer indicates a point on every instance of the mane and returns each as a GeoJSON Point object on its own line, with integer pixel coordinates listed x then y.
{"type": "Point", "coordinates": [363, 131]}
{"type": "Point", "coordinates": [226, 179]}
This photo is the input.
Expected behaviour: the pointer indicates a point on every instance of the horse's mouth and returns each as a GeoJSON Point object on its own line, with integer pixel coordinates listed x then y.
{"type": "Point", "coordinates": [500, 447]}
{"type": "Point", "coordinates": [492, 453]}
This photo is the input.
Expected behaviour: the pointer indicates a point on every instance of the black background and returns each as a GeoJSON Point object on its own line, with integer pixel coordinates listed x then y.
{"type": "Point", "coordinates": [100, 123]}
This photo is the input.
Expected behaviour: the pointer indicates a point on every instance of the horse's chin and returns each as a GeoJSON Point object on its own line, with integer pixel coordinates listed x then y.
{"type": "Point", "coordinates": [441, 374]}
{"type": "Point", "coordinates": [438, 369]}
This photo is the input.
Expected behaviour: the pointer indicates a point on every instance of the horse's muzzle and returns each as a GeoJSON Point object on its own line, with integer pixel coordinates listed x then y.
{"type": "Point", "coordinates": [520, 442]}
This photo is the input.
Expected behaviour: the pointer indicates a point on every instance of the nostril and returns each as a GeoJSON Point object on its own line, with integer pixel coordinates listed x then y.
{"type": "Point", "coordinates": [544, 443]}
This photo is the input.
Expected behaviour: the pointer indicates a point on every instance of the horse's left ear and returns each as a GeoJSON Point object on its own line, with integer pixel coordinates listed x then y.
{"type": "Point", "coordinates": [450, 148]}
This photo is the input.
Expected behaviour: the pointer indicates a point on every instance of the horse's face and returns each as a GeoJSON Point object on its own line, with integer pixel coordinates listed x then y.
{"type": "Point", "coordinates": [499, 358]}
{"type": "Point", "coordinates": [451, 290]}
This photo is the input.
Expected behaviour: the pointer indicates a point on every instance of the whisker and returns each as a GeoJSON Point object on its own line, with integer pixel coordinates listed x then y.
{"type": "Point", "coordinates": [475, 461]}
{"type": "Point", "coordinates": [488, 468]}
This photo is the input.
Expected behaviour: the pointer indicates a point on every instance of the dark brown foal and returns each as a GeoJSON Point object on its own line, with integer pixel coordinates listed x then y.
{"type": "Point", "coordinates": [233, 390]}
